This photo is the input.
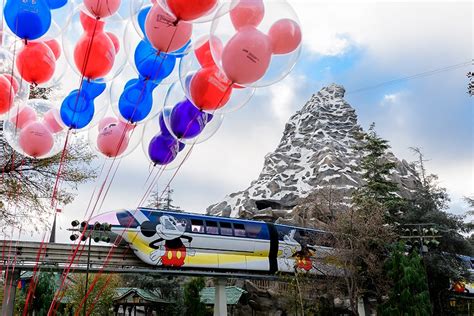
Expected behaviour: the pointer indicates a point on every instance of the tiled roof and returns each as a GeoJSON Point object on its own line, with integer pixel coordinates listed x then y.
{"type": "Point", "coordinates": [233, 294]}
{"type": "Point", "coordinates": [122, 292]}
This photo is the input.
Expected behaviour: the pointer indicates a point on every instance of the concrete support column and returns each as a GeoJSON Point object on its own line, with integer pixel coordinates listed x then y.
{"type": "Point", "coordinates": [11, 280]}
{"type": "Point", "coordinates": [362, 308]}
{"type": "Point", "coordinates": [220, 298]}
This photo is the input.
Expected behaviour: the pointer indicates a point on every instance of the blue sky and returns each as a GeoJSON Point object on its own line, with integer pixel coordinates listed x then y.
{"type": "Point", "coordinates": [356, 44]}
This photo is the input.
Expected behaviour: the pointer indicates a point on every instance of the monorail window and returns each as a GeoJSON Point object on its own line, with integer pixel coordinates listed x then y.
{"type": "Point", "coordinates": [239, 230]}
{"type": "Point", "coordinates": [212, 228]}
{"type": "Point", "coordinates": [127, 220]}
{"type": "Point", "coordinates": [253, 230]}
{"type": "Point", "coordinates": [197, 226]}
{"type": "Point", "coordinates": [226, 229]}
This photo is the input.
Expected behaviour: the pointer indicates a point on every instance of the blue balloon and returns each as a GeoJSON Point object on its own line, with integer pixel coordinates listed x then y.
{"type": "Point", "coordinates": [187, 121]}
{"type": "Point", "coordinates": [28, 19]}
{"type": "Point", "coordinates": [56, 4]}
{"type": "Point", "coordinates": [136, 100]}
{"type": "Point", "coordinates": [142, 18]}
{"type": "Point", "coordinates": [163, 149]}
{"type": "Point", "coordinates": [93, 88]}
{"type": "Point", "coordinates": [151, 64]}
{"type": "Point", "coordinates": [77, 109]}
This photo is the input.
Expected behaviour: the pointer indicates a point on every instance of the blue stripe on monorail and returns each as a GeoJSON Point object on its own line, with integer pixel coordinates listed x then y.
{"type": "Point", "coordinates": [212, 225]}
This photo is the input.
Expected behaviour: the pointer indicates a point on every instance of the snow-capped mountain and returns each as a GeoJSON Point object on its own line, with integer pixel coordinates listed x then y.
{"type": "Point", "coordinates": [315, 152]}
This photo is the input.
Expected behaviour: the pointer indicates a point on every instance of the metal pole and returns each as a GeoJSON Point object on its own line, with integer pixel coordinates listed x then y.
{"type": "Point", "coordinates": [87, 275]}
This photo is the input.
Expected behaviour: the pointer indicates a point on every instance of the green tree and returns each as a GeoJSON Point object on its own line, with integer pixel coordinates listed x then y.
{"type": "Point", "coordinates": [101, 297]}
{"type": "Point", "coordinates": [27, 184]}
{"type": "Point", "coordinates": [192, 298]}
{"type": "Point", "coordinates": [376, 169]}
{"type": "Point", "coordinates": [409, 293]}
{"type": "Point", "coordinates": [44, 292]}
{"type": "Point", "coordinates": [428, 204]}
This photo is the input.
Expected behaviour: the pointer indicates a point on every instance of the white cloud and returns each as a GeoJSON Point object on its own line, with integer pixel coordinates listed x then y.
{"type": "Point", "coordinates": [283, 96]}
{"type": "Point", "coordinates": [390, 98]}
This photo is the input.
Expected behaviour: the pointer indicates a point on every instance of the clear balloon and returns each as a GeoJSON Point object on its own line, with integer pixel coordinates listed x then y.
{"type": "Point", "coordinates": [184, 121]}
{"type": "Point", "coordinates": [139, 21]}
{"type": "Point", "coordinates": [261, 41]}
{"type": "Point", "coordinates": [166, 32]}
{"type": "Point", "coordinates": [147, 61]}
{"type": "Point", "coordinates": [136, 100]}
{"type": "Point", "coordinates": [114, 138]}
{"type": "Point", "coordinates": [206, 86]}
{"type": "Point", "coordinates": [93, 48]}
{"type": "Point", "coordinates": [102, 8]}
{"type": "Point", "coordinates": [79, 107]}
{"type": "Point", "coordinates": [28, 19]}
{"type": "Point", "coordinates": [13, 90]}
{"type": "Point", "coordinates": [30, 131]}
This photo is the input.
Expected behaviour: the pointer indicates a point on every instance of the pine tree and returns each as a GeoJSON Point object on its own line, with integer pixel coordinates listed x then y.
{"type": "Point", "coordinates": [376, 169]}
{"type": "Point", "coordinates": [162, 200]}
{"type": "Point", "coordinates": [409, 294]}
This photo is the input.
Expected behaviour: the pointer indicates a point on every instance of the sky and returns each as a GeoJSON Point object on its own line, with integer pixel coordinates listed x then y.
{"type": "Point", "coordinates": [358, 45]}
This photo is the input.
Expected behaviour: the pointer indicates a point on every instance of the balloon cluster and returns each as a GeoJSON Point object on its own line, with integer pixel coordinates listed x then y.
{"type": "Point", "coordinates": [219, 52]}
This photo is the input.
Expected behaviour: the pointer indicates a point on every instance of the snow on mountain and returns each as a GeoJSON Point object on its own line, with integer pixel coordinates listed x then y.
{"type": "Point", "coordinates": [315, 152]}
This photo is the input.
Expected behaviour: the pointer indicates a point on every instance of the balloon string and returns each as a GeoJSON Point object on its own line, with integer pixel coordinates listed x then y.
{"type": "Point", "coordinates": [123, 134]}
{"type": "Point", "coordinates": [195, 141]}
{"type": "Point", "coordinates": [34, 280]}
{"type": "Point", "coordinates": [58, 295]}
{"type": "Point", "coordinates": [16, 196]}
{"type": "Point", "coordinates": [63, 154]}
{"type": "Point", "coordinates": [60, 167]}
{"type": "Point", "coordinates": [95, 189]}
{"type": "Point", "coordinates": [99, 294]}
{"type": "Point", "coordinates": [2, 21]}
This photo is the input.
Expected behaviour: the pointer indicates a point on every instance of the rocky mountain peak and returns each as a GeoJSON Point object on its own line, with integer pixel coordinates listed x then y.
{"type": "Point", "coordinates": [315, 152]}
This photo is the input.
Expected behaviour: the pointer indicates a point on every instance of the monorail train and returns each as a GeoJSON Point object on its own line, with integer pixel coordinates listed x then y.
{"type": "Point", "coordinates": [184, 240]}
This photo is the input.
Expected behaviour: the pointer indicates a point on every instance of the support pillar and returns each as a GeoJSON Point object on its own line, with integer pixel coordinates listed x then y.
{"type": "Point", "coordinates": [362, 308]}
{"type": "Point", "coordinates": [8, 303]}
{"type": "Point", "coordinates": [220, 298]}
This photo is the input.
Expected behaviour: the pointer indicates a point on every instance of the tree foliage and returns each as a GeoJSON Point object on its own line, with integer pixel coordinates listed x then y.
{"type": "Point", "coordinates": [362, 236]}
{"type": "Point", "coordinates": [192, 298]}
{"type": "Point", "coordinates": [376, 169]}
{"type": "Point", "coordinates": [101, 297]}
{"type": "Point", "coordinates": [428, 205]}
{"type": "Point", "coordinates": [27, 184]}
{"type": "Point", "coordinates": [409, 293]}
{"type": "Point", "coordinates": [44, 292]}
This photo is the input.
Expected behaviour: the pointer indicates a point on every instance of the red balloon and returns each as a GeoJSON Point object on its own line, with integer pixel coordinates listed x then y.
{"type": "Point", "coordinates": [95, 52]}
{"type": "Point", "coordinates": [210, 89]}
{"type": "Point", "coordinates": [13, 82]}
{"type": "Point", "coordinates": [190, 10]}
{"type": "Point", "coordinates": [114, 40]}
{"type": "Point", "coordinates": [7, 94]}
{"type": "Point", "coordinates": [55, 48]}
{"type": "Point", "coordinates": [203, 50]}
{"type": "Point", "coordinates": [36, 62]}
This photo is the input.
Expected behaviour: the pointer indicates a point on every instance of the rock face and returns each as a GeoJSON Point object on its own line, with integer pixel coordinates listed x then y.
{"type": "Point", "coordinates": [315, 152]}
